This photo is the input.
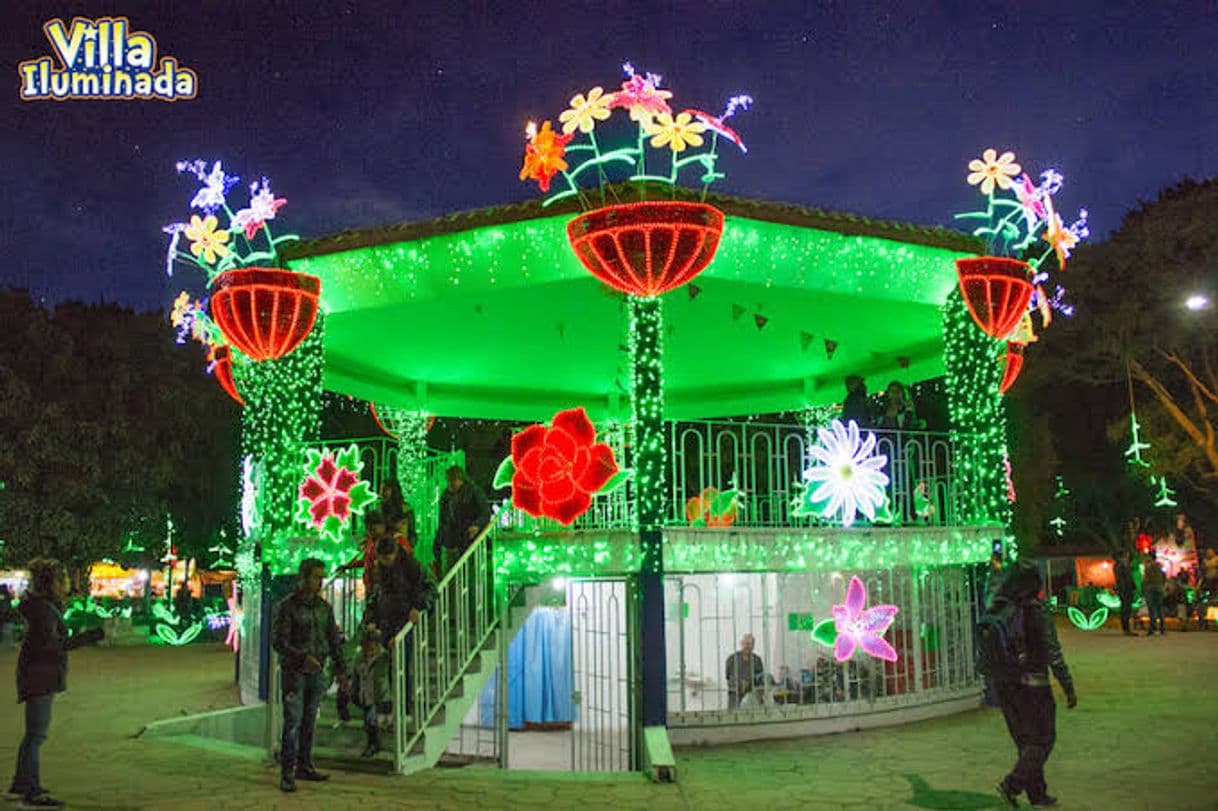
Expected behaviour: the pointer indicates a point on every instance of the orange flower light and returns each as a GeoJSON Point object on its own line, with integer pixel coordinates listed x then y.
{"type": "Point", "coordinates": [543, 156]}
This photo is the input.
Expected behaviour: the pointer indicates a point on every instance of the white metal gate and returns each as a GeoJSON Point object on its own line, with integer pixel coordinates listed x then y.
{"type": "Point", "coordinates": [603, 730]}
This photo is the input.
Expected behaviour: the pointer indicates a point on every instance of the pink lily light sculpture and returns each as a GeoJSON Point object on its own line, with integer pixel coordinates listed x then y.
{"type": "Point", "coordinates": [862, 628]}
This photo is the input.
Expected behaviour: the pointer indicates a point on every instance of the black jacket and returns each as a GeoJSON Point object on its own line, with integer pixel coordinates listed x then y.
{"type": "Point", "coordinates": [1043, 650]}
{"type": "Point", "coordinates": [42, 665]}
{"type": "Point", "coordinates": [397, 589]}
{"type": "Point", "coordinates": [460, 510]}
{"type": "Point", "coordinates": [305, 628]}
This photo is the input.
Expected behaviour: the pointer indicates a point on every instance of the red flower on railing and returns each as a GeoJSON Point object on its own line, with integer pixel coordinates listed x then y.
{"type": "Point", "coordinates": [558, 469]}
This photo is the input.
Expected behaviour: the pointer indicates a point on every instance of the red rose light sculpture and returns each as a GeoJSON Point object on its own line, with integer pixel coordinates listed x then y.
{"type": "Point", "coordinates": [557, 470]}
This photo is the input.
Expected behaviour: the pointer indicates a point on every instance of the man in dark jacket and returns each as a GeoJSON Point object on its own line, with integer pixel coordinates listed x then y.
{"type": "Point", "coordinates": [402, 588]}
{"type": "Point", "coordinates": [42, 671]}
{"type": "Point", "coordinates": [464, 512]}
{"type": "Point", "coordinates": [1123, 572]}
{"type": "Point", "coordinates": [304, 635]}
{"type": "Point", "coordinates": [743, 671]}
{"type": "Point", "coordinates": [1026, 698]}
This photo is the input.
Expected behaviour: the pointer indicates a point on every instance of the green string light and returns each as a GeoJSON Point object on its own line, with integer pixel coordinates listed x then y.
{"type": "Point", "coordinates": [978, 415]}
{"type": "Point", "coordinates": [646, 352]}
{"type": "Point", "coordinates": [282, 411]}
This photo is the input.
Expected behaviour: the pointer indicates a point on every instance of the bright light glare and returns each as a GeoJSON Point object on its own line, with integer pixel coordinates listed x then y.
{"type": "Point", "coordinates": [559, 584]}
{"type": "Point", "coordinates": [1197, 302]}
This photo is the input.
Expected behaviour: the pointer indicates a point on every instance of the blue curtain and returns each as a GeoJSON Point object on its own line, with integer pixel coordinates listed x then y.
{"type": "Point", "coordinates": [539, 673]}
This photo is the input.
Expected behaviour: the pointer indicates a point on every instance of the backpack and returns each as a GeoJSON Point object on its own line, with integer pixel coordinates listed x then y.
{"type": "Point", "coordinates": [1002, 640]}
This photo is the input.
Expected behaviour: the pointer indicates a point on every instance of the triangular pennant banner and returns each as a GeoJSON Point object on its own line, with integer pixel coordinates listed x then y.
{"type": "Point", "coordinates": [830, 348]}
{"type": "Point", "coordinates": [737, 311]}
{"type": "Point", "coordinates": [760, 320]}
{"type": "Point", "coordinates": [694, 290]}
{"type": "Point", "coordinates": [805, 339]}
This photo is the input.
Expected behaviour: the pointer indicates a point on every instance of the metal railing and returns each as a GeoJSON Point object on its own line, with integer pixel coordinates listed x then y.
{"type": "Point", "coordinates": [764, 463]}
{"type": "Point", "coordinates": [431, 656]}
{"type": "Point", "coordinates": [709, 614]}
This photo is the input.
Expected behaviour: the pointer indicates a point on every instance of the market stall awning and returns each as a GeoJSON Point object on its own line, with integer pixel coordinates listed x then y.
{"type": "Point", "coordinates": [490, 314]}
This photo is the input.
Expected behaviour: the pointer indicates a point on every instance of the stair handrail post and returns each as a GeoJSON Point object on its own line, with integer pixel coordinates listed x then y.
{"type": "Point", "coordinates": [432, 631]}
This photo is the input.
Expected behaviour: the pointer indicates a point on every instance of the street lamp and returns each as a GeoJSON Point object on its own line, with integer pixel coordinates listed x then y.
{"type": "Point", "coordinates": [1197, 302]}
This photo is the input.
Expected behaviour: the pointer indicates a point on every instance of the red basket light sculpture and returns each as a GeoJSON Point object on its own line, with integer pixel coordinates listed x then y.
{"type": "Point", "coordinates": [265, 312]}
{"type": "Point", "coordinates": [648, 248]}
{"type": "Point", "coordinates": [996, 290]}
{"type": "Point", "coordinates": [1012, 365]}
{"type": "Point", "coordinates": [221, 359]}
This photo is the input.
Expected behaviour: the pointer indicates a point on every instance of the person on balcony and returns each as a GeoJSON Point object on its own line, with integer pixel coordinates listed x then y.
{"type": "Point", "coordinates": [744, 671]}
{"type": "Point", "coordinates": [856, 407]}
{"type": "Point", "coordinates": [464, 512]}
{"type": "Point", "coordinates": [304, 635]}
{"type": "Point", "coordinates": [898, 411]}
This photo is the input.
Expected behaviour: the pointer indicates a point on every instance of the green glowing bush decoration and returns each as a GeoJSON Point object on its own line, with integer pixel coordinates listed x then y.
{"type": "Point", "coordinates": [1084, 622]}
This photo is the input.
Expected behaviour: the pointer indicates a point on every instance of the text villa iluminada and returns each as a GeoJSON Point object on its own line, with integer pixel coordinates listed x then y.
{"type": "Point", "coordinates": [104, 59]}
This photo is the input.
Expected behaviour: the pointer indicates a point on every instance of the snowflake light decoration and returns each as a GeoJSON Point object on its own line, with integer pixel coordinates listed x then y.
{"type": "Point", "coordinates": [849, 477]}
{"type": "Point", "coordinates": [332, 491]}
{"type": "Point", "coordinates": [857, 627]}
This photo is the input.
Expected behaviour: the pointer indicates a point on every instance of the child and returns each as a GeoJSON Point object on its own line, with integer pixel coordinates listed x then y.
{"type": "Point", "coordinates": [370, 685]}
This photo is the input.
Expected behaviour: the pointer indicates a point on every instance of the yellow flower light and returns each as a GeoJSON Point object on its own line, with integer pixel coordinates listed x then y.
{"type": "Point", "coordinates": [1057, 234]}
{"type": "Point", "coordinates": [585, 112]}
{"type": "Point", "coordinates": [205, 239]}
{"type": "Point", "coordinates": [675, 133]}
{"type": "Point", "coordinates": [991, 170]}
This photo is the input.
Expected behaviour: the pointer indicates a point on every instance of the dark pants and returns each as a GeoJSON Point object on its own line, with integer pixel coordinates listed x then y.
{"type": "Point", "coordinates": [1154, 607]}
{"type": "Point", "coordinates": [27, 780]}
{"type": "Point", "coordinates": [299, 715]}
{"type": "Point", "coordinates": [1126, 609]}
{"type": "Point", "coordinates": [1030, 714]}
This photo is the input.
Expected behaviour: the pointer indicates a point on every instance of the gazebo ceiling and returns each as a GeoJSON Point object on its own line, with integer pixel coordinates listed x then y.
{"type": "Point", "coordinates": [491, 315]}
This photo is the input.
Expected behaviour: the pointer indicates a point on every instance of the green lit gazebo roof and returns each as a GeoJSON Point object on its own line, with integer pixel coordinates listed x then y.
{"type": "Point", "coordinates": [490, 315]}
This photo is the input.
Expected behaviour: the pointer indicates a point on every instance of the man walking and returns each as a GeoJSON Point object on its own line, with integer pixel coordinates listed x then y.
{"type": "Point", "coordinates": [305, 634]}
{"type": "Point", "coordinates": [1022, 686]}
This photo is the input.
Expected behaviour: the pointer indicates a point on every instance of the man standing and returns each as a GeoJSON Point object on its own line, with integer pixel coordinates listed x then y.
{"type": "Point", "coordinates": [1154, 585]}
{"type": "Point", "coordinates": [1123, 572]}
{"type": "Point", "coordinates": [304, 635]}
{"type": "Point", "coordinates": [464, 512]}
{"type": "Point", "coordinates": [744, 672]}
{"type": "Point", "coordinates": [1024, 693]}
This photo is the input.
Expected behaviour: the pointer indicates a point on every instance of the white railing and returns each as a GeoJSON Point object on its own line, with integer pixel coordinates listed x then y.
{"type": "Point", "coordinates": [443, 643]}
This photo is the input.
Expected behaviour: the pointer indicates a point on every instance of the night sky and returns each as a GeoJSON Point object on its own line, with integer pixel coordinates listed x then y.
{"type": "Point", "coordinates": [367, 113]}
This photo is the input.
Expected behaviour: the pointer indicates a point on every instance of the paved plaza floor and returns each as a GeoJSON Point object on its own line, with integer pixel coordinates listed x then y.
{"type": "Point", "coordinates": [1143, 737]}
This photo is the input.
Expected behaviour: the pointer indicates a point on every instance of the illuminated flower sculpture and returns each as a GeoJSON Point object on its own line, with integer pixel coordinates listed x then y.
{"type": "Point", "coordinates": [653, 246]}
{"type": "Point", "coordinates": [858, 627]}
{"type": "Point", "coordinates": [191, 321]}
{"type": "Point", "coordinates": [848, 479]}
{"type": "Point", "coordinates": [1004, 286]}
{"type": "Point", "coordinates": [262, 310]}
{"type": "Point", "coordinates": [555, 471]}
{"type": "Point", "coordinates": [332, 491]}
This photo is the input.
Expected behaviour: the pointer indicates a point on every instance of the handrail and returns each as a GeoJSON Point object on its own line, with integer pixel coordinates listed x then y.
{"type": "Point", "coordinates": [443, 642]}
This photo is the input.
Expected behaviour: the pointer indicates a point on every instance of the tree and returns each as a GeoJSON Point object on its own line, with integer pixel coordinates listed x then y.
{"type": "Point", "coordinates": [107, 426]}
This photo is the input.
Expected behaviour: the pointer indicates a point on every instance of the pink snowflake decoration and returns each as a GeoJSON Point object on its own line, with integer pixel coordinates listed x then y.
{"type": "Point", "coordinates": [861, 628]}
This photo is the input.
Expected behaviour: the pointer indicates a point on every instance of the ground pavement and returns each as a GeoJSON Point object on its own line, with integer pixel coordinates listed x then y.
{"type": "Point", "coordinates": [1141, 738]}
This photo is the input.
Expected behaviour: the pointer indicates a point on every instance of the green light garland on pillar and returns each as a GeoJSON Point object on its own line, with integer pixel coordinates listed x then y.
{"type": "Point", "coordinates": [978, 415]}
{"type": "Point", "coordinates": [282, 411]}
{"type": "Point", "coordinates": [412, 448]}
{"type": "Point", "coordinates": [646, 353]}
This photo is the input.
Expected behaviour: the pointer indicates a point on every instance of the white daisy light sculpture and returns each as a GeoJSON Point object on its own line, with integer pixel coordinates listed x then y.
{"type": "Point", "coordinates": [848, 477]}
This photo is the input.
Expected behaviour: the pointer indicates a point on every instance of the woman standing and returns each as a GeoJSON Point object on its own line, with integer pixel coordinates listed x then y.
{"type": "Point", "coordinates": [42, 670]}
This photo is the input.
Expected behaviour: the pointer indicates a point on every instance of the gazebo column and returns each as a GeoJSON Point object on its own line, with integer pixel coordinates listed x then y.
{"type": "Point", "coordinates": [979, 418]}
{"type": "Point", "coordinates": [282, 411]}
{"type": "Point", "coordinates": [651, 486]}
